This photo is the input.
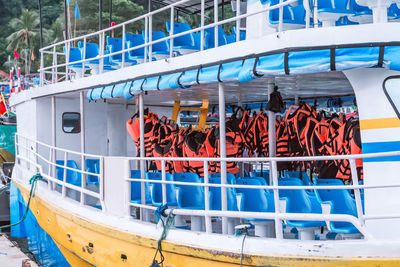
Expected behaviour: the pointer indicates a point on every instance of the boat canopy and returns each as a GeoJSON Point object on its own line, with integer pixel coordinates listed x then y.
{"type": "Point", "coordinates": [293, 61]}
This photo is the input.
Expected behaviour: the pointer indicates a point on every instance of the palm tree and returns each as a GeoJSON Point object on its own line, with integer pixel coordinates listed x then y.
{"type": "Point", "coordinates": [26, 31]}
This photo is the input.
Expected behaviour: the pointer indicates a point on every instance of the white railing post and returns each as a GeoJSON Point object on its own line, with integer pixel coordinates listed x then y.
{"type": "Point", "coordinates": [83, 176]}
{"type": "Point", "coordinates": [238, 3]}
{"type": "Point", "coordinates": [53, 70]}
{"type": "Point", "coordinates": [357, 194]}
{"type": "Point", "coordinates": [315, 13]}
{"type": "Point", "coordinates": [207, 198]}
{"type": "Point", "coordinates": [280, 26]}
{"type": "Point", "coordinates": [84, 57]}
{"type": "Point", "coordinates": [308, 13]}
{"type": "Point", "coordinates": [101, 46]}
{"type": "Point", "coordinates": [142, 156]}
{"type": "Point", "coordinates": [146, 38]}
{"type": "Point", "coordinates": [127, 168]}
{"type": "Point", "coordinates": [171, 32]}
{"type": "Point", "coordinates": [278, 221]}
{"type": "Point", "coordinates": [101, 183]}
{"type": "Point", "coordinates": [42, 73]}
{"type": "Point", "coordinates": [66, 62]}
{"type": "Point", "coordinates": [150, 37]}
{"type": "Point", "coordinates": [63, 188]}
{"type": "Point", "coordinates": [202, 25]}
{"type": "Point", "coordinates": [53, 138]}
{"type": "Point", "coordinates": [123, 45]}
{"type": "Point", "coordinates": [163, 185]}
{"type": "Point", "coordinates": [222, 143]}
{"type": "Point", "coordinates": [49, 183]}
{"type": "Point", "coordinates": [215, 21]}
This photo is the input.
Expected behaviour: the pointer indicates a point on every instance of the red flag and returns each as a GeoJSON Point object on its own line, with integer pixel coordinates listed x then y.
{"type": "Point", "coordinates": [3, 107]}
{"type": "Point", "coordinates": [16, 54]}
{"type": "Point", "coordinates": [33, 56]}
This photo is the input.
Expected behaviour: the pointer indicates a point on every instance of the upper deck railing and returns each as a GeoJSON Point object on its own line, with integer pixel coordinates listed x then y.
{"type": "Point", "coordinates": [30, 156]}
{"type": "Point", "coordinates": [72, 62]}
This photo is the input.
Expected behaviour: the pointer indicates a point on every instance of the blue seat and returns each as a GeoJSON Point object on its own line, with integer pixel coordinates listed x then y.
{"type": "Point", "coordinates": [295, 174]}
{"type": "Point", "coordinates": [92, 51]}
{"type": "Point", "coordinates": [258, 173]}
{"type": "Point", "coordinates": [136, 192]}
{"type": "Point", "coordinates": [156, 191]}
{"type": "Point", "coordinates": [93, 166]}
{"type": "Point", "coordinates": [394, 12]}
{"type": "Point", "coordinates": [230, 177]}
{"type": "Point", "coordinates": [209, 35]}
{"type": "Point", "coordinates": [115, 45]}
{"type": "Point", "coordinates": [161, 49]}
{"type": "Point", "coordinates": [362, 14]}
{"type": "Point", "coordinates": [73, 177]}
{"type": "Point", "coordinates": [74, 55]}
{"type": "Point", "coordinates": [255, 200]}
{"type": "Point", "coordinates": [293, 16]}
{"type": "Point", "coordinates": [329, 11]}
{"type": "Point", "coordinates": [341, 202]}
{"type": "Point", "coordinates": [215, 196]}
{"type": "Point", "coordinates": [242, 35]}
{"type": "Point", "coordinates": [189, 197]}
{"type": "Point", "coordinates": [183, 44]}
{"type": "Point", "coordinates": [299, 201]}
{"type": "Point", "coordinates": [133, 40]}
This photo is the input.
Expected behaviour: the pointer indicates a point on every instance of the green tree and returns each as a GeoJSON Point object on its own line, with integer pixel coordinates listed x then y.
{"type": "Point", "coordinates": [24, 38]}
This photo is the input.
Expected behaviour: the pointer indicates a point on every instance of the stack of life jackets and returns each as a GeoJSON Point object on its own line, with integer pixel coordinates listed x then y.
{"type": "Point", "coordinates": [301, 132]}
{"type": "Point", "coordinates": [164, 139]}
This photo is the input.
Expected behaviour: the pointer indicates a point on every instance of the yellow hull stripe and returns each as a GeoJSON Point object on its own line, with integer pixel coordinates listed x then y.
{"type": "Point", "coordinates": [83, 242]}
{"type": "Point", "coordinates": [379, 123]}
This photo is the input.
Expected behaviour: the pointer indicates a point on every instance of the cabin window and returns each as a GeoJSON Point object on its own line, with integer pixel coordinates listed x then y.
{"type": "Point", "coordinates": [71, 122]}
{"type": "Point", "coordinates": [391, 86]}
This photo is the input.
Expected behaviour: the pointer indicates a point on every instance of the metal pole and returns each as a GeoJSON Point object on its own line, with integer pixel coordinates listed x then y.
{"type": "Point", "coordinates": [215, 21]}
{"type": "Point", "coordinates": [82, 111]}
{"type": "Point", "coordinates": [273, 166]}
{"type": "Point", "coordinates": [40, 23]}
{"type": "Point", "coordinates": [53, 138]}
{"type": "Point", "coordinates": [65, 19]}
{"type": "Point", "coordinates": [100, 15]}
{"type": "Point", "coordinates": [207, 199]}
{"type": "Point", "coordinates": [142, 155]}
{"type": "Point", "coordinates": [163, 185]}
{"type": "Point", "coordinates": [202, 24]}
{"type": "Point", "coordinates": [110, 9]}
{"type": "Point", "coordinates": [222, 148]}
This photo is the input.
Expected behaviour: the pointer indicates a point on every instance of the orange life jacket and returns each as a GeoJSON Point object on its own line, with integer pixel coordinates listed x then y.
{"type": "Point", "coordinates": [194, 147]}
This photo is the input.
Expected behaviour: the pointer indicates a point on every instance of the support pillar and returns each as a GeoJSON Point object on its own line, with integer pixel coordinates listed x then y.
{"type": "Point", "coordinates": [222, 143]}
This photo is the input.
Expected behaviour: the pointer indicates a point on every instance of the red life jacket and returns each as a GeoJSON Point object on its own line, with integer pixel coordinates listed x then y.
{"type": "Point", "coordinates": [194, 147]}
{"type": "Point", "coordinates": [177, 149]}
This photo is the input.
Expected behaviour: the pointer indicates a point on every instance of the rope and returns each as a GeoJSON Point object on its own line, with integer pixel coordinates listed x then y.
{"type": "Point", "coordinates": [242, 230]}
{"type": "Point", "coordinates": [167, 224]}
{"type": "Point", "coordinates": [32, 182]}
{"type": "Point", "coordinates": [241, 252]}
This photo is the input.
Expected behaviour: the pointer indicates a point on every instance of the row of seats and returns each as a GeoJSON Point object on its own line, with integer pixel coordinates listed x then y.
{"type": "Point", "coordinates": [239, 199]}
{"type": "Point", "coordinates": [330, 13]}
{"type": "Point", "coordinates": [253, 200]}
{"type": "Point", "coordinates": [184, 44]}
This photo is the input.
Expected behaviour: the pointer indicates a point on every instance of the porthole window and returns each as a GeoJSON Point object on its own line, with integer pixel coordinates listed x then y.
{"type": "Point", "coordinates": [71, 122]}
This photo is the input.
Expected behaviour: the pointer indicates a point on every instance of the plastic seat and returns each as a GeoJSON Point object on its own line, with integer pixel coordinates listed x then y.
{"type": "Point", "coordinates": [295, 174]}
{"type": "Point", "coordinates": [394, 13]}
{"type": "Point", "coordinates": [263, 173]}
{"type": "Point", "coordinates": [75, 55]}
{"type": "Point", "coordinates": [189, 197]}
{"type": "Point", "coordinates": [215, 196]}
{"type": "Point", "coordinates": [161, 49]}
{"type": "Point", "coordinates": [300, 201]}
{"type": "Point", "coordinates": [230, 177]}
{"type": "Point", "coordinates": [242, 34]}
{"type": "Point", "coordinates": [341, 202]}
{"type": "Point", "coordinates": [329, 11]}
{"type": "Point", "coordinates": [362, 14]}
{"type": "Point", "coordinates": [209, 35]}
{"type": "Point", "coordinates": [92, 51]}
{"type": "Point", "coordinates": [115, 45]}
{"type": "Point", "coordinates": [257, 200]}
{"type": "Point", "coordinates": [136, 192]}
{"type": "Point", "coordinates": [133, 40]}
{"type": "Point", "coordinates": [183, 44]}
{"type": "Point", "coordinates": [293, 16]}
{"type": "Point", "coordinates": [156, 190]}
{"type": "Point", "coordinates": [73, 177]}
{"type": "Point", "coordinates": [93, 165]}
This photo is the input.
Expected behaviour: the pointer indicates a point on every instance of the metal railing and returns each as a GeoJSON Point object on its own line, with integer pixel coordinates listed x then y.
{"type": "Point", "coordinates": [279, 215]}
{"type": "Point", "coordinates": [148, 29]}
{"type": "Point", "coordinates": [40, 158]}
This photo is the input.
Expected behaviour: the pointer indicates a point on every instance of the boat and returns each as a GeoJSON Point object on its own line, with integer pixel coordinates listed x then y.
{"type": "Point", "coordinates": [314, 181]}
